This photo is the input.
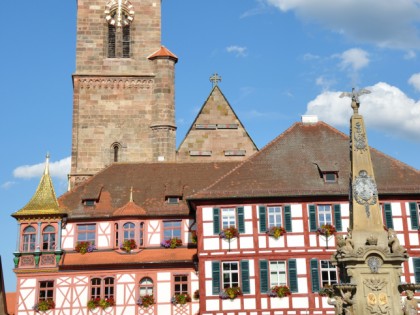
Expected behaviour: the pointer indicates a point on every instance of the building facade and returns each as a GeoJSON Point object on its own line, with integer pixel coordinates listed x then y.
{"type": "Point", "coordinates": [212, 228]}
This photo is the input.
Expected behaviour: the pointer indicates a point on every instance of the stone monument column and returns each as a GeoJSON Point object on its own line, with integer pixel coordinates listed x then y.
{"type": "Point", "coordinates": [370, 257]}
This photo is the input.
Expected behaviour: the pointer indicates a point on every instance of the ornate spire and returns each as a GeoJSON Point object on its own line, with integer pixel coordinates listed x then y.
{"type": "Point", "coordinates": [44, 201]}
{"type": "Point", "coordinates": [365, 210]}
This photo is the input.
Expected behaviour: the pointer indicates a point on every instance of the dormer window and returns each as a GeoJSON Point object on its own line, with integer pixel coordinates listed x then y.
{"type": "Point", "coordinates": [330, 177]}
{"type": "Point", "coordinates": [89, 202]}
{"type": "Point", "coordinates": [172, 200]}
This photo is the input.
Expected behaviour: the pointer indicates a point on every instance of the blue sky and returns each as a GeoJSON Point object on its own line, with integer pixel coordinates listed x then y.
{"type": "Point", "coordinates": [279, 59]}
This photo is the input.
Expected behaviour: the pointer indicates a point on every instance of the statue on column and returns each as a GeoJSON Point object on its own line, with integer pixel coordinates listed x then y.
{"type": "Point", "coordinates": [410, 306]}
{"type": "Point", "coordinates": [343, 304]}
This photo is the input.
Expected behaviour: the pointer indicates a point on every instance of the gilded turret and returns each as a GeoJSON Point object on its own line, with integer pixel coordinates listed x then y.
{"type": "Point", "coordinates": [44, 201]}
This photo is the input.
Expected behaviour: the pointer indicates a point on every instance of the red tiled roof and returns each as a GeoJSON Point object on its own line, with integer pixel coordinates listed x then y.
{"type": "Point", "coordinates": [129, 209]}
{"type": "Point", "coordinates": [11, 302]}
{"type": "Point", "coordinates": [146, 256]}
{"type": "Point", "coordinates": [163, 52]}
{"type": "Point", "coordinates": [151, 183]}
{"type": "Point", "coordinates": [292, 165]}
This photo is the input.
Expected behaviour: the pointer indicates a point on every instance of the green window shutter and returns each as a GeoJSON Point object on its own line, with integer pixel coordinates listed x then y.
{"type": "Point", "coordinates": [388, 216]}
{"type": "Point", "coordinates": [315, 275]}
{"type": "Point", "coordinates": [263, 219]}
{"type": "Point", "coordinates": [241, 219]}
{"type": "Point", "coordinates": [288, 218]}
{"type": "Point", "coordinates": [416, 266]}
{"type": "Point", "coordinates": [263, 276]}
{"type": "Point", "coordinates": [337, 218]}
{"type": "Point", "coordinates": [216, 220]}
{"type": "Point", "coordinates": [414, 216]}
{"type": "Point", "coordinates": [293, 281]}
{"type": "Point", "coordinates": [312, 218]}
{"type": "Point", "coordinates": [215, 277]}
{"type": "Point", "coordinates": [245, 277]}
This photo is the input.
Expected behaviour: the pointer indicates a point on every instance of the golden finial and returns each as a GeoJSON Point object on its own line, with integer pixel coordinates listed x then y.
{"type": "Point", "coordinates": [47, 164]}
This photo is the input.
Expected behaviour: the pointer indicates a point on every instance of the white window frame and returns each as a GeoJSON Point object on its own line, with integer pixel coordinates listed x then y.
{"type": "Point", "coordinates": [230, 272]}
{"type": "Point", "coordinates": [228, 217]}
{"type": "Point", "coordinates": [327, 273]}
{"type": "Point", "coordinates": [274, 216]}
{"type": "Point", "coordinates": [323, 212]}
{"type": "Point", "coordinates": [277, 273]}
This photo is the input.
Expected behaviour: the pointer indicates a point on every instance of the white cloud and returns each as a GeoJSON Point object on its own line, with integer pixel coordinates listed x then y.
{"type": "Point", "coordinates": [8, 184]}
{"type": "Point", "coordinates": [410, 55]}
{"type": "Point", "coordinates": [354, 59]}
{"type": "Point", "coordinates": [386, 109]}
{"type": "Point", "coordinates": [415, 81]}
{"type": "Point", "coordinates": [324, 82]}
{"type": "Point", "coordinates": [59, 169]}
{"type": "Point", "coordinates": [391, 24]}
{"type": "Point", "coordinates": [239, 51]}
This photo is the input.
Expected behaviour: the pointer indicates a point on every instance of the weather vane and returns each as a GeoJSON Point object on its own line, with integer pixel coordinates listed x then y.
{"type": "Point", "coordinates": [215, 79]}
{"type": "Point", "coordinates": [354, 95]}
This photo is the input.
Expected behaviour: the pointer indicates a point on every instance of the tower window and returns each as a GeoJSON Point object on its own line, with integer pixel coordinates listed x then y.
{"type": "Point", "coordinates": [116, 149]}
{"type": "Point", "coordinates": [126, 42]}
{"type": "Point", "coordinates": [111, 41]}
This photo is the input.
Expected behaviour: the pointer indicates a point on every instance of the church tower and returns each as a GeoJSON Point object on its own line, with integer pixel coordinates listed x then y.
{"type": "Point", "coordinates": [123, 103]}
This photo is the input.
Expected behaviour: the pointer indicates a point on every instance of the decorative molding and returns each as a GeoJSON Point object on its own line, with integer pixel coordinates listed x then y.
{"type": "Point", "coordinates": [359, 139]}
{"type": "Point", "coordinates": [365, 191]}
{"type": "Point", "coordinates": [374, 263]}
{"type": "Point", "coordinates": [116, 83]}
{"type": "Point", "coordinates": [375, 284]}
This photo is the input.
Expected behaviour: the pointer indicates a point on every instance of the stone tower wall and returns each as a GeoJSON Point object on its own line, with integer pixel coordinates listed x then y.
{"type": "Point", "coordinates": [120, 101]}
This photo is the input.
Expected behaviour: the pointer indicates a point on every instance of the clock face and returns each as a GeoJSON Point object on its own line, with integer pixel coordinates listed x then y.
{"type": "Point", "coordinates": [119, 12]}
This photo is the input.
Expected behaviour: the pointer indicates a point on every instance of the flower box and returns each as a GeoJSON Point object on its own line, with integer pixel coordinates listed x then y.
{"type": "Point", "coordinates": [44, 305]}
{"type": "Point", "coordinates": [171, 243]}
{"type": "Point", "coordinates": [146, 301]}
{"type": "Point", "coordinates": [128, 245]}
{"type": "Point", "coordinates": [230, 293]}
{"type": "Point", "coordinates": [102, 303]}
{"type": "Point", "coordinates": [326, 230]}
{"type": "Point", "coordinates": [181, 299]}
{"type": "Point", "coordinates": [229, 233]}
{"type": "Point", "coordinates": [84, 247]}
{"type": "Point", "coordinates": [276, 231]}
{"type": "Point", "coordinates": [279, 291]}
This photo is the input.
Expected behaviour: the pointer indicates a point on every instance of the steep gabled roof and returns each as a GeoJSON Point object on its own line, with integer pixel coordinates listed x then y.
{"type": "Point", "coordinates": [216, 133]}
{"type": "Point", "coordinates": [152, 184]}
{"type": "Point", "coordinates": [292, 165]}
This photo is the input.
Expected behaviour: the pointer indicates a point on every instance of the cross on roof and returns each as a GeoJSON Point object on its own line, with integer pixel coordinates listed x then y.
{"type": "Point", "coordinates": [215, 79]}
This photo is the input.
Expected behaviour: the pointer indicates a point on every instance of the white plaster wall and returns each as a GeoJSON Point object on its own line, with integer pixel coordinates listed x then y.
{"type": "Point", "coordinates": [296, 210]}
{"type": "Point", "coordinates": [295, 240]}
{"type": "Point", "coordinates": [207, 214]}
{"type": "Point", "coordinates": [264, 303]}
{"type": "Point", "coordinates": [312, 240]}
{"type": "Point", "coordinates": [228, 305]}
{"type": "Point", "coordinates": [211, 243]}
{"type": "Point", "coordinates": [396, 208]}
{"type": "Point", "coordinates": [414, 239]}
{"type": "Point", "coordinates": [212, 305]}
{"type": "Point", "coordinates": [164, 276]}
{"type": "Point", "coordinates": [68, 236]}
{"type": "Point", "coordinates": [164, 309]}
{"type": "Point", "coordinates": [262, 242]}
{"type": "Point", "coordinates": [301, 266]}
{"type": "Point", "coordinates": [279, 302]}
{"type": "Point", "coordinates": [248, 227]}
{"type": "Point", "coordinates": [104, 235]}
{"type": "Point", "coordinates": [276, 243]}
{"type": "Point", "coordinates": [209, 288]}
{"type": "Point", "coordinates": [246, 242]}
{"type": "Point", "coordinates": [398, 224]}
{"type": "Point", "coordinates": [248, 212]}
{"type": "Point", "coordinates": [249, 304]}
{"type": "Point", "coordinates": [154, 232]}
{"type": "Point", "coordinates": [207, 269]}
{"type": "Point", "coordinates": [300, 302]}
{"type": "Point", "coordinates": [208, 229]}
{"type": "Point", "coordinates": [164, 293]}
{"type": "Point", "coordinates": [233, 244]}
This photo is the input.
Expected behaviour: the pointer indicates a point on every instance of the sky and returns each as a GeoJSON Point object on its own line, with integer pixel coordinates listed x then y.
{"type": "Point", "coordinates": [278, 59]}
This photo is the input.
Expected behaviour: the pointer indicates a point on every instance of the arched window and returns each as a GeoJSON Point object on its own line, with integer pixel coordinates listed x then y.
{"type": "Point", "coordinates": [129, 230]}
{"type": "Point", "coordinates": [119, 16]}
{"type": "Point", "coordinates": [48, 238]}
{"type": "Point", "coordinates": [146, 286]}
{"type": "Point", "coordinates": [29, 239]}
{"type": "Point", "coordinates": [116, 149]}
{"type": "Point", "coordinates": [141, 238]}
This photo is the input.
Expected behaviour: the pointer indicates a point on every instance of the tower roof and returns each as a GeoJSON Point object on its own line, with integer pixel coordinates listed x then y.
{"type": "Point", "coordinates": [163, 52]}
{"type": "Point", "coordinates": [44, 201]}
